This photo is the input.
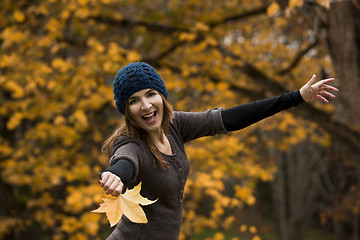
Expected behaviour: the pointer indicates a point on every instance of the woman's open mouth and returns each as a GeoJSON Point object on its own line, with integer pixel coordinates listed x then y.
{"type": "Point", "coordinates": [150, 118]}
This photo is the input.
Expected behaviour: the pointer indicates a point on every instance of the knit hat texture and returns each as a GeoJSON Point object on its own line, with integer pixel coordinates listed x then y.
{"type": "Point", "coordinates": [135, 77]}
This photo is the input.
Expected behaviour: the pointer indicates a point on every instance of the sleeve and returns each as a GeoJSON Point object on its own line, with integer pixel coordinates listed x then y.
{"type": "Point", "coordinates": [192, 125]}
{"type": "Point", "coordinates": [244, 115]}
{"type": "Point", "coordinates": [124, 169]}
{"type": "Point", "coordinates": [130, 151]}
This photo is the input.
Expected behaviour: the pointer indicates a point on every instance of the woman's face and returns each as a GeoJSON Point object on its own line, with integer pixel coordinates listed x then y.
{"type": "Point", "coordinates": [146, 106]}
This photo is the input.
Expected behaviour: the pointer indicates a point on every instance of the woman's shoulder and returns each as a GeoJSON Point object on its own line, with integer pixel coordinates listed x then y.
{"type": "Point", "coordinates": [128, 142]}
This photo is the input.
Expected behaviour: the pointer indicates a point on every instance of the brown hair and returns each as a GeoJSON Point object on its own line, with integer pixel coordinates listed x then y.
{"type": "Point", "coordinates": [131, 129]}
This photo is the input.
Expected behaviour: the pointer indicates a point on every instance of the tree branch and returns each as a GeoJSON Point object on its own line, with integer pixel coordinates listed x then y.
{"type": "Point", "coordinates": [168, 29]}
{"type": "Point", "coordinates": [171, 29]}
{"type": "Point", "coordinates": [250, 13]}
{"type": "Point", "coordinates": [128, 23]}
{"type": "Point", "coordinates": [341, 131]}
{"type": "Point", "coordinates": [297, 58]}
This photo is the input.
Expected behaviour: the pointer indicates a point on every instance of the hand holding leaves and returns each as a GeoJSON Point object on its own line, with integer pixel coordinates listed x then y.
{"type": "Point", "coordinates": [127, 204]}
{"type": "Point", "coordinates": [111, 184]}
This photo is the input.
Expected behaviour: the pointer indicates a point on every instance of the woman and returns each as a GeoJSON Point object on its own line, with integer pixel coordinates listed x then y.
{"type": "Point", "coordinates": [149, 148]}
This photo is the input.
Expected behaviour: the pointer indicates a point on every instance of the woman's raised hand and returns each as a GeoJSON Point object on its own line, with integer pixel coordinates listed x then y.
{"type": "Point", "coordinates": [111, 184]}
{"type": "Point", "coordinates": [313, 90]}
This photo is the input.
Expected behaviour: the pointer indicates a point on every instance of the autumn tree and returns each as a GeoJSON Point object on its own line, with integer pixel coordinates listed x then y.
{"type": "Point", "coordinates": [57, 62]}
{"type": "Point", "coordinates": [336, 28]}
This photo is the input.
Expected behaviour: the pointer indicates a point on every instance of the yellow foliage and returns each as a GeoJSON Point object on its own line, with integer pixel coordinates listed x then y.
{"type": "Point", "coordinates": [133, 56]}
{"type": "Point", "coordinates": [45, 217]}
{"type": "Point", "coordinates": [54, 26]}
{"type": "Point", "coordinates": [5, 148]}
{"type": "Point", "coordinates": [70, 225]}
{"type": "Point", "coordinates": [273, 9]}
{"type": "Point", "coordinates": [187, 36]}
{"type": "Point", "coordinates": [61, 65]}
{"type": "Point", "coordinates": [11, 35]}
{"type": "Point", "coordinates": [14, 121]}
{"type": "Point", "coordinates": [325, 3]}
{"type": "Point", "coordinates": [58, 61]}
{"type": "Point", "coordinates": [80, 120]}
{"type": "Point", "coordinates": [19, 16]}
{"type": "Point", "coordinates": [6, 225]}
{"type": "Point", "coordinates": [295, 3]}
{"type": "Point", "coordinates": [9, 60]}
{"type": "Point", "coordinates": [218, 236]}
{"type": "Point", "coordinates": [228, 222]}
{"type": "Point", "coordinates": [243, 228]}
{"type": "Point", "coordinates": [45, 200]}
{"type": "Point", "coordinates": [251, 200]}
{"type": "Point", "coordinates": [16, 90]}
{"type": "Point", "coordinates": [252, 229]}
{"type": "Point", "coordinates": [200, 26]}
{"type": "Point", "coordinates": [82, 198]}
{"type": "Point", "coordinates": [90, 222]}
{"type": "Point", "coordinates": [243, 192]}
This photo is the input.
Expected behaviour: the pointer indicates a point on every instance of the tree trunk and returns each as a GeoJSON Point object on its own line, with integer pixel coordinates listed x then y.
{"type": "Point", "coordinates": [344, 48]}
{"type": "Point", "coordinates": [279, 194]}
{"type": "Point", "coordinates": [356, 226]}
{"type": "Point", "coordinates": [302, 169]}
{"type": "Point", "coordinates": [294, 190]}
{"type": "Point", "coordinates": [339, 228]}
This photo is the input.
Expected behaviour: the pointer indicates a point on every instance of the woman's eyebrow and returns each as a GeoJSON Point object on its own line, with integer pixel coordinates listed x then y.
{"type": "Point", "coordinates": [132, 97]}
{"type": "Point", "coordinates": [150, 90]}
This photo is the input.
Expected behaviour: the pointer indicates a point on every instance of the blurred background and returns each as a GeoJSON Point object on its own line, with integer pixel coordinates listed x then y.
{"type": "Point", "coordinates": [294, 176]}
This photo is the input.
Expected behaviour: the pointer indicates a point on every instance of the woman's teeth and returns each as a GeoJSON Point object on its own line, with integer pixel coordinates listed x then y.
{"type": "Point", "coordinates": [149, 116]}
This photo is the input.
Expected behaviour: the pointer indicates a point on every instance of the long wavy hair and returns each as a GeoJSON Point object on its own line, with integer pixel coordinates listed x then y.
{"type": "Point", "coordinates": [131, 129]}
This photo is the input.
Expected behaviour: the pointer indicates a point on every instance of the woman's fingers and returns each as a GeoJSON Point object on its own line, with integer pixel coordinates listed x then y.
{"type": "Point", "coordinates": [322, 99]}
{"type": "Point", "coordinates": [327, 80]}
{"type": "Point", "coordinates": [324, 82]}
{"type": "Point", "coordinates": [114, 188]}
{"type": "Point", "coordinates": [104, 178]}
{"type": "Point", "coordinates": [329, 88]}
{"type": "Point", "coordinates": [107, 184]}
{"type": "Point", "coordinates": [113, 185]}
{"type": "Point", "coordinates": [326, 93]}
{"type": "Point", "coordinates": [117, 190]}
{"type": "Point", "coordinates": [312, 80]}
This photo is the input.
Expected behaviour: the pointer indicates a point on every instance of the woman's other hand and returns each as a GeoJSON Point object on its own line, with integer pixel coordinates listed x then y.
{"type": "Point", "coordinates": [111, 184]}
{"type": "Point", "coordinates": [313, 90]}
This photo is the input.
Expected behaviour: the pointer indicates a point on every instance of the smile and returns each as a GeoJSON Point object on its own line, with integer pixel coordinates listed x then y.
{"type": "Point", "coordinates": [150, 118]}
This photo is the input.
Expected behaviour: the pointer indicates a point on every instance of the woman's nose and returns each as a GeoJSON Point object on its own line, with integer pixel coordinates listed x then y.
{"type": "Point", "coordinates": [145, 105]}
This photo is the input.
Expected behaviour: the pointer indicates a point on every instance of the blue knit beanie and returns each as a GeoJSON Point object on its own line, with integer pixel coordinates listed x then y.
{"type": "Point", "coordinates": [135, 77]}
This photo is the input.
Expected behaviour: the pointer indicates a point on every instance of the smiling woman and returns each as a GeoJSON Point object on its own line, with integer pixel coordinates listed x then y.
{"type": "Point", "coordinates": [146, 106]}
{"type": "Point", "coordinates": [149, 148]}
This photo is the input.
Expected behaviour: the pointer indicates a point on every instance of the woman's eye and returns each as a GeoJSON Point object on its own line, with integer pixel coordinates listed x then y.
{"type": "Point", "coordinates": [133, 101]}
{"type": "Point", "coordinates": [151, 94]}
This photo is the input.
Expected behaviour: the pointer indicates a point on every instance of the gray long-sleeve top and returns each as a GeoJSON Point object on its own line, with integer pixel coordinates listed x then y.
{"type": "Point", "coordinates": [166, 185]}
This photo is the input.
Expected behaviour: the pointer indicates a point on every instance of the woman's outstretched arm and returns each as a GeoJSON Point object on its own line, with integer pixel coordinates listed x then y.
{"type": "Point", "coordinates": [241, 116]}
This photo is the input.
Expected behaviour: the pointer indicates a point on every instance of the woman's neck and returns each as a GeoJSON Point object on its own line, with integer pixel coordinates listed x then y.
{"type": "Point", "coordinates": [157, 137]}
{"type": "Point", "coordinates": [162, 143]}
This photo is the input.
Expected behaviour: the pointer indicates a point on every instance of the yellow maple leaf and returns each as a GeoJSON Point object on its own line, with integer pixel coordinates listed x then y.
{"type": "Point", "coordinates": [127, 204]}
